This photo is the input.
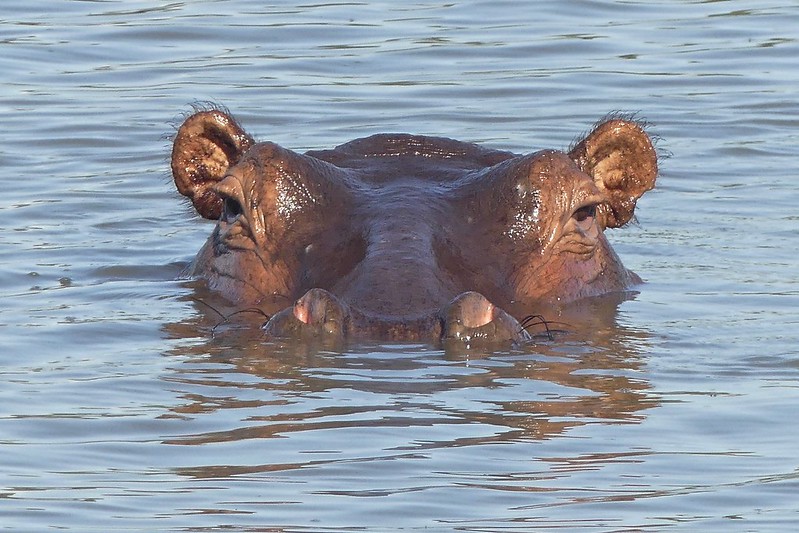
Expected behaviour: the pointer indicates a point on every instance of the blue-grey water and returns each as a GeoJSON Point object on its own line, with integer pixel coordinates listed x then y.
{"type": "Point", "coordinates": [123, 409]}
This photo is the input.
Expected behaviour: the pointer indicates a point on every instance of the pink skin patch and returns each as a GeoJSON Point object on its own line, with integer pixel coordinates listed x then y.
{"type": "Point", "coordinates": [477, 311]}
{"type": "Point", "coordinates": [309, 308]}
{"type": "Point", "coordinates": [301, 312]}
{"type": "Point", "coordinates": [313, 307]}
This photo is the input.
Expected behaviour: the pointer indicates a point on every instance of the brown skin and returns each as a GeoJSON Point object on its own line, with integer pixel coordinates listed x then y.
{"type": "Point", "coordinates": [409, 237]}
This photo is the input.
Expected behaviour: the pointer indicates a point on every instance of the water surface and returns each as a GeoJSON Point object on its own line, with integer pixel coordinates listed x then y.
{"type": "Point", "coordinates": [123, 408]}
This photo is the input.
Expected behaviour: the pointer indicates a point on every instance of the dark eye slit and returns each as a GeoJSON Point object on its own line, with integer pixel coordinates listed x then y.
{"type": "Point", "coordinates": [231, 209]}
{"type": "Point", "coordinates": [585, 212]}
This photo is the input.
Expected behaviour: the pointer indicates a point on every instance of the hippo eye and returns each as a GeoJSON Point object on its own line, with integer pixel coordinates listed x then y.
{"type": "Point", "coordinates": [231, 209]}
{"type": "Point", "coordinates": [584, 216]}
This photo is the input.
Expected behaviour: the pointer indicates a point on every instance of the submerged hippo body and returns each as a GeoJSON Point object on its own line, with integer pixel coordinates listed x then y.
{"type": "Point", "coordinates": [409, 237]}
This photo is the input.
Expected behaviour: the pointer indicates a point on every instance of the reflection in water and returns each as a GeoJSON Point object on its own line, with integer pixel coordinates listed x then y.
{"type": "Point", "coordinates": [428, 399]}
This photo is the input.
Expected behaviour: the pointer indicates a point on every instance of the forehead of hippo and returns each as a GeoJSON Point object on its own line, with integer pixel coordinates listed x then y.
{"type": "Point", "coordinates": [388, 157]}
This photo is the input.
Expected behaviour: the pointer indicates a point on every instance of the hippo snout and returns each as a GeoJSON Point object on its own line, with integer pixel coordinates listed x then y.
{"type": "Point", "coordinates": [469, 318]}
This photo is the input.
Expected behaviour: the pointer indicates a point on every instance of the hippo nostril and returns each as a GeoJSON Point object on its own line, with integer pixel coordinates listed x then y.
{"type": "Point", "coordinates": [470, 317]}
{"type": "Point", "coordinates": [474, 309]}
{"type": "Point", "coordinates": [317, 314]}
{"type": "Point", "coordinates": [314, 306]}
{"type": "Point", "coordinates": [302, 312]}
{"type": "Point", "coordinates": [467, 314]}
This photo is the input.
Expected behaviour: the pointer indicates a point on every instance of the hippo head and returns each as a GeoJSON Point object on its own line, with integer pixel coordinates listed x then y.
{"type": "Point", "coordinates": [407, 237]}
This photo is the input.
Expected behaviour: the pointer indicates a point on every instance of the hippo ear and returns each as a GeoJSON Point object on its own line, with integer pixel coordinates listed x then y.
{"type": "Point", "coordinates": [207, 144]}
{"type": "Point", "coordinates": [621, 159]}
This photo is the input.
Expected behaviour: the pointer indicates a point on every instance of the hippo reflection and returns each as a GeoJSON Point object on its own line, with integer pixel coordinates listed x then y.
{"type": "Point", "coordinates": [409, 237]}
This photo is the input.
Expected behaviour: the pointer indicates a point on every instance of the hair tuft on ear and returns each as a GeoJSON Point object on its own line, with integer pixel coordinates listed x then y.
{"type": "Point", "coordinates": [207, 143]}
{"type": "Point", "coordinates": [621, 159]}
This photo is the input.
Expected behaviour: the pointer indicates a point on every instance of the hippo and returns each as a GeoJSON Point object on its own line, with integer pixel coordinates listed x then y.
{"type": "Point", "coordinates": [407, 237]}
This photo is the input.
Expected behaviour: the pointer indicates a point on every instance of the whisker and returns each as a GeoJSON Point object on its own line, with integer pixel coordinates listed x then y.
{"type": "Point", "coordinates": [535, 320]}
{"type": "Point", "coordinates": [240, 311]}
{"type": "Point", "coordinates": [209, 306]}
{"type": "Point", "coordinates": [227, 318]}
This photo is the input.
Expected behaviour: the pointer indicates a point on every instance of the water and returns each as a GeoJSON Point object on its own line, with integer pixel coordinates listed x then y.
{"type": "Point", "coordinates": [121, 408]}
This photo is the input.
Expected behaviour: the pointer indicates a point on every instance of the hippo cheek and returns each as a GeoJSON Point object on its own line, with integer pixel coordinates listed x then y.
{"type": "Point", "coordinates": [316, 315]}
{"type": "Point", "coordinates": [472, 319]}
{"type": "Point", "coordinates": [571, 276]}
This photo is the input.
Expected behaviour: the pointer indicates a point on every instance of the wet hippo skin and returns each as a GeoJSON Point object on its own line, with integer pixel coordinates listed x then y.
{"type": "Point", "coordinates": [408, 237]}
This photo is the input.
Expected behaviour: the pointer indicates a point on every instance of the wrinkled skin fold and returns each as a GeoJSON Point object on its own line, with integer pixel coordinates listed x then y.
{"type": "Point", "coordinates": [407, 237]}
